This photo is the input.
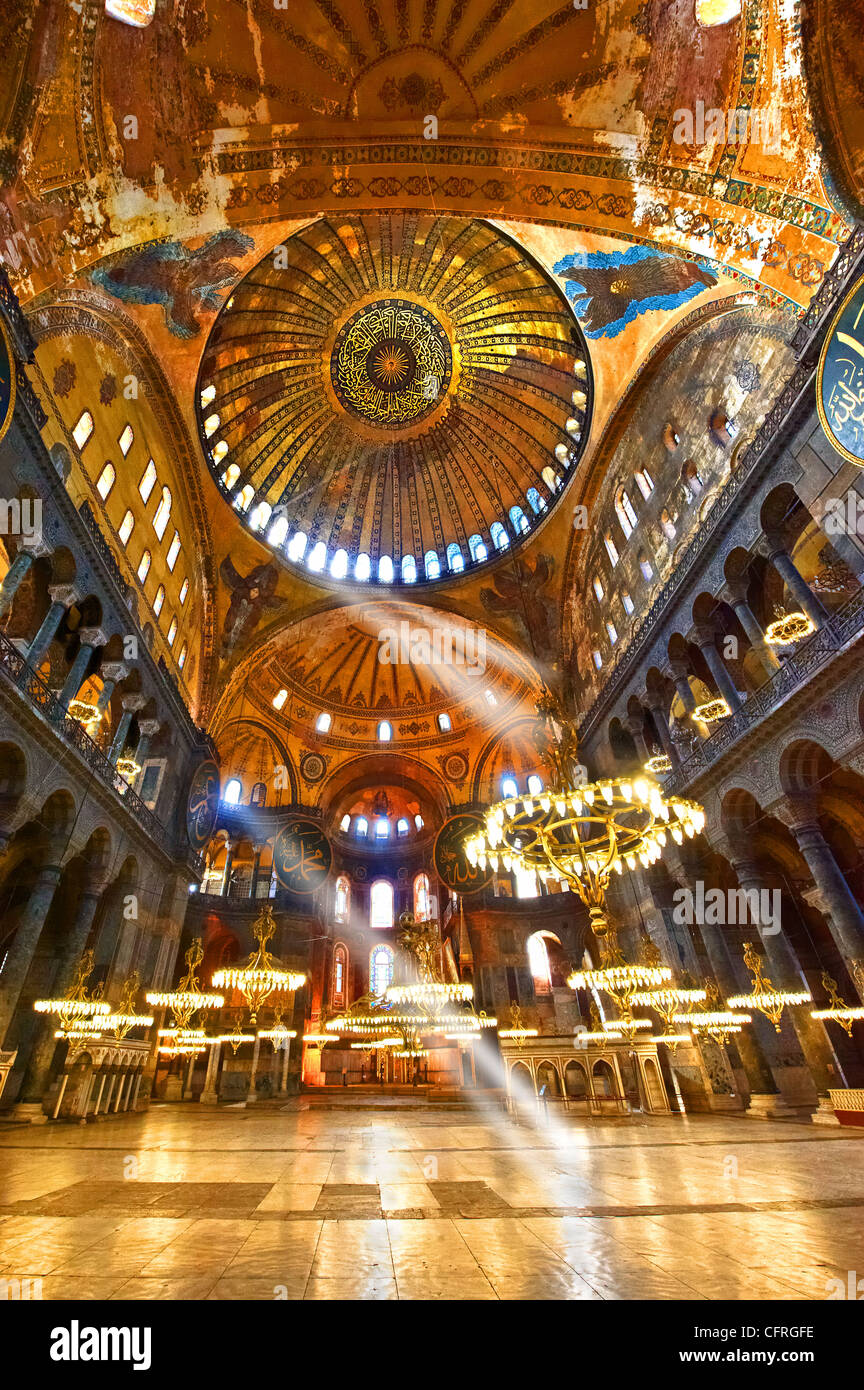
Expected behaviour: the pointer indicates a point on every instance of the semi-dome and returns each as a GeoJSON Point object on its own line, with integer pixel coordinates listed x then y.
{"type": "Point", "coordinates": [394, 399]}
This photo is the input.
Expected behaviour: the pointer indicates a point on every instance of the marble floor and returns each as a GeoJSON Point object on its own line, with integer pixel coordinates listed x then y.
{"type": "Point", "coordinates": [302, 1202]}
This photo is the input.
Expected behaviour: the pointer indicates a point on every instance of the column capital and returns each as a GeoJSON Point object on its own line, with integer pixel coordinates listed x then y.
{"type": "Point", "coordinates": [677, 670]}
{"type": "Point", "coordinates": [772, 543]}
{"type": "Point", "coordinates": [93, 636]}
{"type": "Point", "coordinates": [114, 671]}
{"type": "Point", "coordinates": [799, 811]}
{"type": "Point", "coordinates": [737, 592]}
{"type": "Point", "coordinates": [67, 594]}
{"type": "Point", "coordinates": [35, 546]}
{"type": "Point", "coordinates": [149, 727]}
{"type": "Point", "coordinates": [705, 634]}
{"type": "Point", "coordinates": [133, 703]}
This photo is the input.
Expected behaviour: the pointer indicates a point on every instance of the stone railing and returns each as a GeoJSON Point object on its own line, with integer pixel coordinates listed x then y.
{"type": "Point", "coordinates": [812, 656]}
{"type": "Point", "coordinates": [42, 698]}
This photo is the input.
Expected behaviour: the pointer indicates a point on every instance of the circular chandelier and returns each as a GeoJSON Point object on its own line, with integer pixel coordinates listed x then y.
{"type": "Point", "coordinates": [718, 1024]}
{"type": "Point", "coordinates": [837, 1010]}
{"type": "Point", "coordinates": [711, 711]}
{"type": "Point", "coordinates": [262, 975]}
{"type": "Point", "coordinates": [764, 997]}
{"type": "Point", "coordinates": [658, 765]}
{"type": "Point", "coordinates": [666, 1001]}
{"type": "Point", "coordinates": [788, 628]}
{"type": "Point", "coordinates": [188, 998]}
{"type": "Point", "coordinates": [585, 834]}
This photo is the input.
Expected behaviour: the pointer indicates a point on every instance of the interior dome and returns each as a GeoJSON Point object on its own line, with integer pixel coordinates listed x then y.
{"type": "Point", "coordinates": [394, 399]}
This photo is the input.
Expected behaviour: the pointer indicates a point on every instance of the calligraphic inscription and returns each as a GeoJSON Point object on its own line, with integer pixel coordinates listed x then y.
{"type": "Point", "coordinates": [7, 380]}
{"type": "Point", "coordinates": [202, 804]}
{"type": "Point", "coordinates": [302, 856]}
{"type": "Point", "coordinates": [840, 379]}
{"type": "Point", "coordinates": [448, 856]}
{"type": "Point", "coordinates": [391, 363]}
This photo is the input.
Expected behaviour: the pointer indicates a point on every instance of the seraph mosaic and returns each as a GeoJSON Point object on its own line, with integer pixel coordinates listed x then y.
{"type": "Point", "coordinates": [185, 282]}
{"type": "Point", "coordinates": [608, 290]}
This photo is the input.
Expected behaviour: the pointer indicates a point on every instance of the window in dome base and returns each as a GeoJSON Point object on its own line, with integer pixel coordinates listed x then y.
{"type": "Point", "coordinates": [83, 429]}
{"type": "Point", "coordinates": [361, 827]}
{"type": "Point", "coordinates": [432, 565]}
{"type": "Point", "coordinates": [409, 569]}
{"type": "Point", "coordinates": [509, 787]}
{"type": "Point", "coordinates": [500, 539]}
{"type": "Point", "coordinates": [385, 732]}
{"type": "Point", "coordinates": [297, 546]}
{"type": "Point", "coordinates": [323, 722]}
{"type": "Point", "coordinates": [279, 698]}
{"type": "Point", "coordinates": [362, 567]}
{"type": "Point", "coordinates": [106, 481]}
{"type": "Point", "coordinates": [386, 572]}
{"type": "Point", "coordinates": [444, 723]}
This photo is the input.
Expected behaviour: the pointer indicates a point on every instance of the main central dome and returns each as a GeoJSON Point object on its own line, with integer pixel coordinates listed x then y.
{"type": "Point", "coordinates": [393, 399]}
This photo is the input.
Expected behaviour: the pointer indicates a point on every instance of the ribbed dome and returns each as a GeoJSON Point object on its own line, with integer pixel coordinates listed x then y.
{"type": "Point", "coordinates": [394, 398]}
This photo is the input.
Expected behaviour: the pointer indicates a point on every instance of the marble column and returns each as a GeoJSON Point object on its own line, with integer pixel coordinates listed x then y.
{"type": "Point", "coordinates": [12, 580]}
{"type": "Point", "coordinates": [256, 865]}
{"type": "Point", "coordinates": [794, 580]}
{"type": "Point", "coordinates": [24, 942]}
{"type": "Point", "coordinates": [37, 1074]}
{"type": "Point", "coordinates": [118, 743]}
{"type": "Point", "coordinates": [658, 710]}
{"type": "Point", "coordinates": [786, 974]}
{"type": "Point", "coordinates": [149, 728]}
{"type": "Point", "coordinates": [845, 917]}
{"type": "Point", "coordinates": [636, 724]}
{"type": "Point", "coordinates": [91, 640]}
{"type": "Point", "coordinates": [62, 595]}
{"type": "Point", "coordinates": [680, 675]}
{"type": "Point", "coordinates": [766, 656]}
{"type": "Point", "coordinates": [717, 666]}
{"type": "Point", "coordinates": [226, 872]}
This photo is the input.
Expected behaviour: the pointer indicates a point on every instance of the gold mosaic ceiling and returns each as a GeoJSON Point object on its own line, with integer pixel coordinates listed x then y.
{"type": "Point", "coordinates": [394, 398]}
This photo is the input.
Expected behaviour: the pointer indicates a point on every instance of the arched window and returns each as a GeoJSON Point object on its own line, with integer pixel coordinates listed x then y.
{"type": "Point", "coordinates": [159, 600]}
{"type": "Point", "coordinates": [233, 792]}
{"type": "Point", "coordinates": [644, 482]}
{"type": "Point", "coordinates": [477, 547]}
{"type": "Point", "coordinates": [628, 604]}
{"type": "Point", "coordinates": [243, 498]}
{"type": "Point", "coordinates": [163, 511]}
{"type": "Point", "coordinates": [535, 784]}
{"type": "Point", "coordinates": [385, 732]}
{"type": "Point", "coordinates": [509, 787]}
{"type": "Point", "coordinates": [361, 828]}
{"type": "Point", "coordinates": [297, 545]}
{"type": "Point", "coordinates": [598, 588]}
{"type": "Point", "coordinates": [340, 969]}
{"type": "Point", "coordinates": [143, 566]}
{"type": "Point", "coordinates": [597, 659]}
{"type": "Point", "coordinates": [402, 827]}
{"type": "Point", "coordinates": [345, 822]}
{"type": "Point", "coordinates": [625, 513]}
{"type": "Point", "coordinates": [535, 501]}
{"type": "Point", "coordinates": [432, 565]}
{"type": "Point", "coordinates": [611, 631]}
{"type": "Point", "coordinates": [380, 969]}
{"type": "Point", "coordinates": [230, 476]}
{"type": "Point", "coordinates": [455, 558]}
{"type": "Point", "coordinates": [317, 557]}
{"type": "Point", "coordinates": [219, 451]}
{"type": "Point", "coordinates": [611, 548]}
{"type": "Point", "coordinates": [444, 723]}
{"type": "Point", "coordinates": [83, 428]}
{"type": "Point", "coordinates": [173, 552]}
{"type": "Point", "coordinates": [106, 480]}
{"type": "Point", "coordinates": [668, 525]}
{"type": "Point", "coordinates": [500, 539]}
{"type": "Point", "coordinates": [386, 571]}
{"type": "Point", "coordinates": [258, 795]}
{"type": "Point", "coordinates": [342, 900]}
{"type": "Point", "coordinates": [181, 660]}
{"type": "Point", "coordinates": [172, 632]}
{"type": "Point", "coordinates": [211, 425]}
{"type": "Point", "coordinates": [260, 516]}
{"type": "Point", "coordinates": [645, 566]}
{"type": "Point", "coordinates": [550, 478]}
{"type": "Point", "coordinates": [538, 961]}
{"type": "Point", "coordinates": [126, 528]}
{"type": "Point", "coordinates": [362, 567]}
{"type": "Point", "coordinates": [526, 883]}
{"type": "Point", "coordinates": [382, 828]}
{"type": "Point", "coordinates": [278, 531]}
{"type": "Point", "coordinates": [381, 904]}
{"type": "Point", "coordinates": [422, 901]}
{"type": "Point", "coordinates": [279, 698]}
{"type": "Point", "coordinates": [418, 821]}
{"type": "Point", "coordinates": [323, 722]}
{"type": "Point", "coordinates": [518, 520]}
{"type": "Point", "coordinates": [409, 569]}
{"type": "Point", "coordinates": [148, 481]}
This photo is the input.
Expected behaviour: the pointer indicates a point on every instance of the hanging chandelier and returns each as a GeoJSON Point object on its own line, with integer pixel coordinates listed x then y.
{"type": "Point", "coordinates": [188, 998]}
{"type": "Point", "coordinates": [711, 711]}
{"type": "Point", "coordinates": [788, 628]}
{"type": "Point", "coordinates": [769, 1001]}
{"type": "Point", "coordinates": [838, 1011]}
{"type": "Point", "coordinates": [78, 1010]}
{"type": "Point", "coordinates": [718, 1024]}
{"type": "Point", "coordinates": [262, 975]}
{"type": "Point", "coordinates": [658, 765]}
{"type": "Point", "coordinates": [125, 1019]}
{"type": "Point", "coordinates": [236, 1037]}
{"type": "Point", "coordinates": [518, 1030]}
{"type": "Point", "coordinates": [669, 1001]}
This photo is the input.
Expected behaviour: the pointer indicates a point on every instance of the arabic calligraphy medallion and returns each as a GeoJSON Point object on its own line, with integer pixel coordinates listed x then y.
{"type": "Point", "coordinates": [391, 363]}
{"type": "Point", "coordinates": [840, 379]}
{"type": "Point", "coordinates": [449, 858]}
{"type": "Point", "coordinates": [202, 804]}
{"type": "Point", "coordinates": [302, 856]}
